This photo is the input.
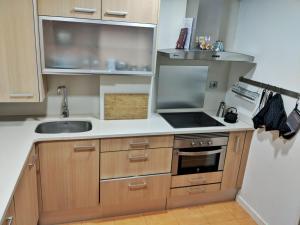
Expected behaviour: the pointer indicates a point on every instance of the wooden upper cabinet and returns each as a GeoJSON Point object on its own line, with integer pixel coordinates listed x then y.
{"type": "Point", "coordinates": [69, 174]}
{"type": "Point", "coordinates": [90, 9]}
{"type": "Point", "coordinates": [145, 11]}
{"type": "Point", "coordinates": [10, 216]}
{"type": "Point", "coordinates": [18, 52]}
{"type": "Point", "coordinates": [233, 160]}
{"type": "Point", "coordinates": [26, 195]}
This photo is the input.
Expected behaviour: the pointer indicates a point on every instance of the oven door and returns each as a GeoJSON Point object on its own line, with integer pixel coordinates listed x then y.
{"type": "Point", "coordinates": [198, 160]}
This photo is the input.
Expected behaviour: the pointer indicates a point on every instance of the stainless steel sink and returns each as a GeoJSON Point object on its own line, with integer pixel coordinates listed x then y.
{"type": "Point", "coordinates": [56, 127]}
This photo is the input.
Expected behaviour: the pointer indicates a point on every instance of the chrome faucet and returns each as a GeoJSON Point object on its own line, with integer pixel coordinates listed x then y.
{"type": "Point", "coordinates": [62, 90]}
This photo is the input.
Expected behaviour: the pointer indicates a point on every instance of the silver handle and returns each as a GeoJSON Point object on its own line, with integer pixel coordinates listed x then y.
{"type": "Point", "coordinates": [85, 10]}
{"type": "Point", "coordinates": [137, 186]}
{"type": "Point", "coordinates": [197, 190]}
{"type": "Point", "coordinates": [21, 95]}
{"type": "Point", "coordinates": [237, 144]}
{"type": "Point", "coordinates": [138, 158]}
{"type": "Point", "coordinates": [87, 148]}
{"type": "Point", "coordinates": [116, 13]}
{"type": "Point", "coordinates": [10, 220]}
{"type": "Point", "coordinates": [143, 144]}
{"type": "Point", "coordinates": [200, 153]}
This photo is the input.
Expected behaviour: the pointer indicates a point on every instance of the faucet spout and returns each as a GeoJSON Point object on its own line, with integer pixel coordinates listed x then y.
{"type": "Point", "coordinates": [62, 90]}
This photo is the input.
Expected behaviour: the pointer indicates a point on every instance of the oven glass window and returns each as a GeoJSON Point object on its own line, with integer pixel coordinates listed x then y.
{"type": "Point", "coordinates": [198, 164]}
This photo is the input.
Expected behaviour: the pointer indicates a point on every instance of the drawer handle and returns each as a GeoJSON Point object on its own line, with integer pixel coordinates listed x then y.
{"type": "Point", "coordinates": [21, 95]}
{"type": "Point", "coordinates": [84, 10]}
{"type": "Point", "coordinates": [138, 158]}
{"type": "Point", "coordinates": [87, 148]}
{"type": "Point", "coordinates": [10, 220]}
{"type": "Point", "coordinates": [141, 145]}
{"type": "Point", "coordinates": [198, 190]}
{"type": "Point", "coordinates": [116, 13]}
{"type": "Point", "coordinates": [197, 180]}
{"type": "Point", "coordinates": [33, 162]}
{"type": "Point", "coordinates": [237, 144]}
{"type": "Point", "coordinates": [137, 186]}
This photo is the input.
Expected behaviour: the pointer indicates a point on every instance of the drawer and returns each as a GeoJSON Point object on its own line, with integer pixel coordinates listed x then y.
{"type": "Point", "coordinates": [196, 179]}
{"type": "Point", "coordinates": [90, 9]}
{"type": "Point", "coordinates": [131, 10]}
{"type": "Point", "coordinates": [194, 190]}
{"type": "Point", "coordinates": [135, 162]}
{"type": "Point", "coordinates": [133, 143]}
{"type": "Point", "coordinates": [121, 196]}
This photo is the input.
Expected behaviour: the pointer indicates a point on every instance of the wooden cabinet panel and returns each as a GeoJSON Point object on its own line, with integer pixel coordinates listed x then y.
{"type": "Point", "coordinates": [26, 195]}
{"type": "Point", "coordinates": [135, 162]}
{"type": "Point", "coordinates": [90, 9]}
{"type": "Point", "coordinates": [10, 216]}
{"type": "Point", "coordinates": [196, 179]}
{"type": "Point", "coordinates": [248, 139]}
{"type": "Point", "coordinates": [134, 194]}
{"type": "Point", "coordinates": [233, 159]}
{"type": "Point", "coordinates": [18, 53]}
{"type": "Point", "coordinates": [133, 143]}
{"type": "Point", "coordinates": [195, 190]}
{"type": "Point", "coordinates": [69, 172]}
{"type": "Point", "coordinates": [131, 10]}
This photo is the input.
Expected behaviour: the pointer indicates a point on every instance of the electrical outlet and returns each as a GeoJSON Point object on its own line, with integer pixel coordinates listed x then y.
{"type": "Point", "coordinates": [213, 84]}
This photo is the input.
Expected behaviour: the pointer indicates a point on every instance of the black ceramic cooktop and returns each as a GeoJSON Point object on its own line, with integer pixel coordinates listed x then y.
{"type": "Point", "coordinates": [190, 120]}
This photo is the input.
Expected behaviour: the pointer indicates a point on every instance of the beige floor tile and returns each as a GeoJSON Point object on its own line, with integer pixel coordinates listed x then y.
{"type": "Point", "coordinates": [137, 220]}
{"type": "Point", "coordinates": [162, 218]}
{"type": "Point", "coordinates": [99, 222]}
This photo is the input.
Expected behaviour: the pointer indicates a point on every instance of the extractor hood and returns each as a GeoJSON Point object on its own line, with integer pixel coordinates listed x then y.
{"type": "Point", "coordinates": [207, 55]}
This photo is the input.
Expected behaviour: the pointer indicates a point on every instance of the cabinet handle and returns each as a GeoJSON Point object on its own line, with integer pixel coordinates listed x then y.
{"type": "Point", "coordinates": [137, 186]}
{"type": "Point", "coordinates": [84, 10]}
{"type": "Point", "coordinates": [142, 145]}
{"type": "Point", "coordinates": [87, 148]}
{"type": "Point", "coordinates": [196, 190]}
{"type": "Point", "coordinates": [10, 220]}
{"type": "Point", "coordinates": [33, 162]}
{"type": "Point", "coordinates": [138, 158]}
{"type": "Point", "coordinates": [21, 95]}
{"type": "Point", "coordinates": [237, 144]}
{"type": "Point", "coordinates": [116, 13]}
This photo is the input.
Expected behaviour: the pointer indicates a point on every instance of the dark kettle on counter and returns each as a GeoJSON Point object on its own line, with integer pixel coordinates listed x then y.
{"type": "Point", "coordinates": [231, 115]}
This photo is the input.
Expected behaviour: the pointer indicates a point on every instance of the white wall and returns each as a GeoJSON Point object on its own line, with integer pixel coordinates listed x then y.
{"type": "Point", "coordinates": [269, 30]}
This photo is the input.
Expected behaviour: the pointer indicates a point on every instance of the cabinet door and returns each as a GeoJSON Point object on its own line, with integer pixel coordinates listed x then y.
{"type": "Point", "coordinates": [90, 9]}
{"type": "Point", "coordinates": [26, 195]}
{"type": "Point", "coordinates": [10, 216]}
{"type": "Point", "coordinates": [69, 173]}
{"type": "Point", "coordinates": [18, 54]}
{"type": "Point", "coordinates": [233, 160]}
{"type": "Point", "coordinates": [131, 10]}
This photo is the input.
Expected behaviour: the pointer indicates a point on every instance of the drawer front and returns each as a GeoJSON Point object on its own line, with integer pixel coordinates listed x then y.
{"type": "Point", "coordinates": [196, 179]}
{"type": "Point", "coordinates": [134, 143]}
{"type": "Point", "coordinates": [131, 10]}
{"type": "Point", "coordinates": [195, 190]}
{"type": "Point", "coordinates": [131, 190]}
{"type": "Point", "coordinates": [90, 9]}
{"type": "Point", "coordinates": [135, 162]}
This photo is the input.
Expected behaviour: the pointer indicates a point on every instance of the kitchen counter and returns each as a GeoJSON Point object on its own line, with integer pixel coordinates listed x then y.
{"type": "Point", "coordinates": [17, 138]}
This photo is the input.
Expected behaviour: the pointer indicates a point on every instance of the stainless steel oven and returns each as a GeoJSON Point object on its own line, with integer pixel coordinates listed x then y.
{"type": "Point", "coordinates": [199, 153]}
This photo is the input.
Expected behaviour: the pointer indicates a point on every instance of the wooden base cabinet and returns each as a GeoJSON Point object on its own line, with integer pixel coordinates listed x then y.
{"type": "Point", "coordinates": [69, 174]}
{"type": "Point", "coordinates": [10, 216]}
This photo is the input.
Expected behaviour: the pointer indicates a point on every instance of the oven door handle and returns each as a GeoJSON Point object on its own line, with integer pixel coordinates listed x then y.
{"type": "Point", "coordinates": [200, 153]}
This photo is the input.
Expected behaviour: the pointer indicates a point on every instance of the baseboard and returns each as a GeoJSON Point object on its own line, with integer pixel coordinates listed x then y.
{"type": "Point", "coordinates": [253, 213]}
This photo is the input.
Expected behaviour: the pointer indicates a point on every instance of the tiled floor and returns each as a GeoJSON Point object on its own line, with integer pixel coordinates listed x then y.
{"type": "Point", "coordinates": [227, 213]}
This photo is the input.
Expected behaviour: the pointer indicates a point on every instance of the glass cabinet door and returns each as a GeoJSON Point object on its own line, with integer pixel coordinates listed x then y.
{"type": "Point", "coordinates": [79, 46]}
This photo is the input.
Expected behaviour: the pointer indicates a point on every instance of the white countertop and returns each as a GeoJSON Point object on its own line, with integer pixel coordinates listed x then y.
{"type": "Point", "coordinates": [17, 138]}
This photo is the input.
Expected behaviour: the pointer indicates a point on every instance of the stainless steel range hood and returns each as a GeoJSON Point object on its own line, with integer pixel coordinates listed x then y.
{"type": "Point", "coordinates": [218, 19]}
{"type": "Point", "coordinates": [205, 55]}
